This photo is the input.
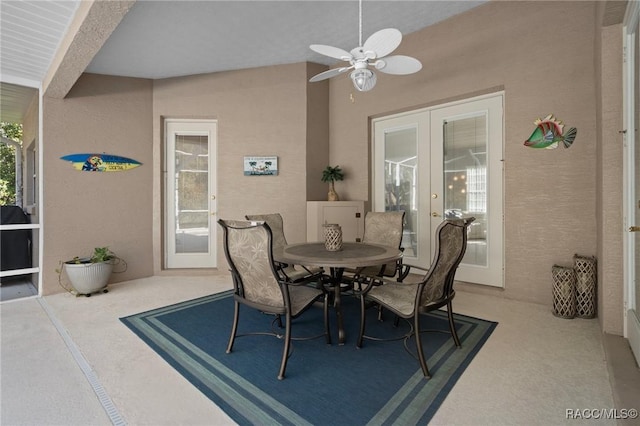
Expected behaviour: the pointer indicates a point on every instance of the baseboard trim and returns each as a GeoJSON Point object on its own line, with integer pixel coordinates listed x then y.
{"type": "Point", "coordinates": [633, 331]}
{"type": "Point", "coordinates": [624, 374]}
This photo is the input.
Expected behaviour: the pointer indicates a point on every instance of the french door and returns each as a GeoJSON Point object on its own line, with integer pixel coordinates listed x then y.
{"type": "Point", "coordinates": [190, 188]}
{"type": "Point", "coordinates": [445, 162]}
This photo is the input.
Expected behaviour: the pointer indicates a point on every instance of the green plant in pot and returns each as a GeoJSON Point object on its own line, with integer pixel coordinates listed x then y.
{"type": "Point", "coordinates": [90, 274]}
{"type": "Point", "coordinates": [330, 175]}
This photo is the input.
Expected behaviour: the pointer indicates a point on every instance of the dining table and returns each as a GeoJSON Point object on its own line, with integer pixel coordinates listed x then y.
{"type": "Point", "coordinates": [352, 255]}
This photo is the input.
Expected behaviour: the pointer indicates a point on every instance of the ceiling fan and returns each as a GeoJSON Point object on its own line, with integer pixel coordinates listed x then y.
{"type": "Point", "coordinates": [372, 53]}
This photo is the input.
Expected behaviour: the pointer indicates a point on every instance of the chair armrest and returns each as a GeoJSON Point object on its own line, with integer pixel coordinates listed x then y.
{"type": "Point", "coordinates": [367, 281]}
{"type": "Point", "coordinates": [406, 270]}
{"type": "Point", "coordinates": [416, 267]}
{"type": "Point", "coordinates": [310, 279]}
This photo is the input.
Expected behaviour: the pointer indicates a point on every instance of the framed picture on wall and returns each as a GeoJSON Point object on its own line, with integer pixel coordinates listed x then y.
{"type": "Point", "coordinates": [260, 166]}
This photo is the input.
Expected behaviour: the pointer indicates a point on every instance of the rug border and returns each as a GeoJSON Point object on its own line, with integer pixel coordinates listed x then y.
{"type": "Point", "coordinates": [258, 413]}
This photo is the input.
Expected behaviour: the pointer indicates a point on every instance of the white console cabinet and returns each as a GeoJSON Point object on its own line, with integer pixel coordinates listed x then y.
{"type": "Point", "coordinates": [348, 214]}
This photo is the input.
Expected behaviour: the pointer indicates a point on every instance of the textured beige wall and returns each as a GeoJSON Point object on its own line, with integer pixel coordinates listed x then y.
{"type": "Point", "coordinates": [542, 55]}
{"type": "Point", "coordinates": [317, 133]}
{"type": "Point", "coordinates": [84, 210]}
{"type": "Point", "coordinates": [610, 210]}
{"type": "Point", "coordinates": [261, 111]}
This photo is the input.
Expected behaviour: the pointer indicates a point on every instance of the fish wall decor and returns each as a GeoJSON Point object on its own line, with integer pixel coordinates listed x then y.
{"type": "Point", "coordinates": [100, 162]}
{"type": "Point", "coordinates": [549, 133]}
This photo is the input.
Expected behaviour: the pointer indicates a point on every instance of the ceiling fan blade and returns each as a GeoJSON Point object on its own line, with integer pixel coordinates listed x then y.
{"type": "Point", "coordinates": [328, 74]}
{"type": "Point", "coordinates": [330, 51]}
{"type": "Point", "coordinates": [398, 64]}
{"type": "Point", "coordinates": [383, 42]}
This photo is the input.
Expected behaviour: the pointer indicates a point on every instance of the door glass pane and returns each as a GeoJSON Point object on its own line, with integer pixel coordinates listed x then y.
{"type": "Point", "coordinates": [192, 189]}
{"type": "Point", "coordinates": [465, 181]}
{"type": "Point", "coordinates": [400, 169]}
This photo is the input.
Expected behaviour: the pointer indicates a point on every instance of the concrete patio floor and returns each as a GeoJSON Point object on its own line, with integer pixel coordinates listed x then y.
{"type": "Point", "coordinates": [68, 360]}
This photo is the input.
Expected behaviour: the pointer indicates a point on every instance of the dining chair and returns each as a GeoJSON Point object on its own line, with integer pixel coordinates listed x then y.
{"type": "Point", "coordinates": [248, 247]}
{"type": "Point", "coordinates": [385, 228]}
{"type": "Point", "coordinates": [409, 300]}
{"type": "Point", "coordinates": [288, 272]}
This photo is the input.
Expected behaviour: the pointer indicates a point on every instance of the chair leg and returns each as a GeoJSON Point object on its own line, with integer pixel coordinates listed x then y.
{"type": "Point", "coordinates": [423, 362]}
{"type": "Point", "coordinates": [396, 321]}
{"type": "Point", "coordinates": [452, 325]}
{"type": "Point", "coordinates": [234, 327]}
{"type": "Point", "coordinates": [327, 330]}
{"type": "Point", "coordinates": [287, 345]}
{"type": "Point", "coordinates": [362, 320]}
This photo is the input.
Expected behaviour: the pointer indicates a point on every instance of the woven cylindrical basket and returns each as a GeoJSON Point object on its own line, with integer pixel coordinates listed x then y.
{"type": "Point", "coordinates": [564, 291]}
{"type": "Point", "coordinates": [585, 267]}
{"type": "Point", "coordinates": [333, 237]}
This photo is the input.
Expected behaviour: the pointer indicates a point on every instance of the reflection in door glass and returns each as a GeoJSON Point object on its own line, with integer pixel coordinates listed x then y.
{"type": "Point", "coordinates": [192, 189]}
{"type": "Point", "coordinates": [465, 181]}
{"type": "Point", "coordinates": [401, 154]}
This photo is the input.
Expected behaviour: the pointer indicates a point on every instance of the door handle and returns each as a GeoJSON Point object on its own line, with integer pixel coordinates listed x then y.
{"type": "Point", "coordinates": [435, 214]}
{"type": "Point", "coordinates": [634, 229]}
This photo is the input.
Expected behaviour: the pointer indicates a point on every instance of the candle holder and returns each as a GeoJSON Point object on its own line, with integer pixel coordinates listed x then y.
{"type": "Point", "coordinates": [333, 237]}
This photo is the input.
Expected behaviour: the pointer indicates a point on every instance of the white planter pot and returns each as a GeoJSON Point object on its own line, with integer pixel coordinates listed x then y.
{"type": "Point", "coordinates": [87, 278]}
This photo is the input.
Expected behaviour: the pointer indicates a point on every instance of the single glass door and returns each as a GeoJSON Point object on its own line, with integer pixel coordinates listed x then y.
{"type": "Point", "coordinates": [190, 231]}
{"type": "Point", "coordinates": [398, 182]}
{"type": "Point", "coordinates": [469, 176]}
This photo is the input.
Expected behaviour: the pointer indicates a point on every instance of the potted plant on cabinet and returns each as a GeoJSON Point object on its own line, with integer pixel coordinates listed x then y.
{"type": "Point", "coordinates": [332, 174]}
{"type": "Point", "coordinates": [91, 274]}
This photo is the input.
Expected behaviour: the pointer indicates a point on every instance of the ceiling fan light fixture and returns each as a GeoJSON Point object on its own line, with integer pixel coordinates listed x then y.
{"type": "Point", "coordinates": [363, 79]}
{"type": "Point", "coordinates": [372, 53]}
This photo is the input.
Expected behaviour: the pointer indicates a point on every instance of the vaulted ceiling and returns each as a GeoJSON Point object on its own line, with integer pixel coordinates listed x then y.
{"type": "Point", "coordinates": [159, 39]}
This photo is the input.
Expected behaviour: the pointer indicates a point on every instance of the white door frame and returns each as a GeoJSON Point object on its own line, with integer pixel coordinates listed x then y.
{"type": "Point", "coordinates": [631, 325]}
{"type": "Point", "coordinates": [172, 258]}
{"type": "Point", "coordinates": [493, 276]}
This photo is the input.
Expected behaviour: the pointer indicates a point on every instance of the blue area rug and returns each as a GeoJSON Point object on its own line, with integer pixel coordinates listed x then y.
{"type": "Point", "coordinates": [325, 384]}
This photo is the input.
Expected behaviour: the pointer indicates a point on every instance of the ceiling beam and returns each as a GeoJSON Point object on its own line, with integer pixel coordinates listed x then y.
{"type": "Point", "coordinates": [614, 12]}
{"type": "Point", "coordinates": [92, 25]}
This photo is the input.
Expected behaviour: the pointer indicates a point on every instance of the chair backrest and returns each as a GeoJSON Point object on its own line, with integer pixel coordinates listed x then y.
{"type": "Point", "coordinates": [248, 248]}
{"type": "Point", "coordinates": [451, 244]}
{"type": "Point", "coordinates": [384, 228]}
{"type": "Point", "coordinates": [275, 222]}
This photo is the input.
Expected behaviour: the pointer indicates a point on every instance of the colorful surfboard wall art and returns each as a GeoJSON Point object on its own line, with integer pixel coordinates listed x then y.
{"type": "Point", "coordinates": [100, 162]}
{"type": "Point", "coordinates": [549, 133]}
